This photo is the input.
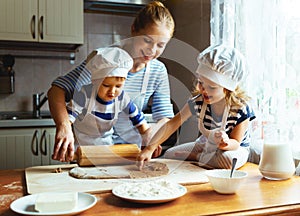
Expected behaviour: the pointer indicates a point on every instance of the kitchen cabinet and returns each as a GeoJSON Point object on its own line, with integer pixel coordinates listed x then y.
{"type": "Point", "coordinates": [25, 147]}
{"type": "Point", "coordinates": [45, 21]}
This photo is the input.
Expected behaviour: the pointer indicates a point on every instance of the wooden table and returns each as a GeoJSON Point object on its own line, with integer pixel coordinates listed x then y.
{"type": "Point", "coordinates": [258, 196]}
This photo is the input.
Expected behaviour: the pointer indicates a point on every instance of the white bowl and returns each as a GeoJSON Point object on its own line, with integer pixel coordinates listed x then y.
{"type": "Point", "coordinates": [222, 183]}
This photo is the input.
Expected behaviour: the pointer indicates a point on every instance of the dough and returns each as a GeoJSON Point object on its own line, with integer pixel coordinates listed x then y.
{"type": "Point", "coordinates": [152, 169]}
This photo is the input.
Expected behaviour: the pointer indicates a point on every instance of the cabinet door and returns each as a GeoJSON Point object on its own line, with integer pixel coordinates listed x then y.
{"type": "Point", "coordinates": [61, 21]}
{"type": "Point", "coordinates": [51, 21]}
{"type": "Point", "coordinates": [18, 20]}
{"type": "Point", "coordinates": [46, 146]}
{"type": "Point", "coordinates": [19, 148]}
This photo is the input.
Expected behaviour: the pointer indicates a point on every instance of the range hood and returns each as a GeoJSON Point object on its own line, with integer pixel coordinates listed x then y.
{"type": "Point", "coordinates": [121, 7]}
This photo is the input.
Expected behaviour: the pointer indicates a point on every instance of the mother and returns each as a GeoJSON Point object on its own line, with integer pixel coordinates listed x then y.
{"type": "Point", "coordinates": [151, 31]}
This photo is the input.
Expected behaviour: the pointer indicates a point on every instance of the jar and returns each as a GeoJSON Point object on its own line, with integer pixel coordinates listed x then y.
{"type": "Point", "coordinates": [277, 161]}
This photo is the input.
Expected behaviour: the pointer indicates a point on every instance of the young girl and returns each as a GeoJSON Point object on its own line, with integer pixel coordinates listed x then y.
{"type": "Point", "coordinates": [95, 108]}
{"type": "Point", "coordinates": [222, 111]}
{"type": "Point", "coordinates": [148, 78]}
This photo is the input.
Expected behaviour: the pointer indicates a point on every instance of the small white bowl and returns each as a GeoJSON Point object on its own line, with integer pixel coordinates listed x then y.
{"type": "Point", "coordinates": [222, 183]}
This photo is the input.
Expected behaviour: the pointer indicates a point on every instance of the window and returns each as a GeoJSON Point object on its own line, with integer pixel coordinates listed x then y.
{"type": "Point", "coordinates": [268, 33]}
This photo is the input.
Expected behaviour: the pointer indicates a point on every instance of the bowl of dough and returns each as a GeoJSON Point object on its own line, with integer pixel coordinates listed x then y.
{"type": "Point", "coordinates": [221, 181]}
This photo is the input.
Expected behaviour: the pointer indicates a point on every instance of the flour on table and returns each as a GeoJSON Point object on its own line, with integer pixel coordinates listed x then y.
{"type": "Point", "coordinates": [152, 169]}
{"type": "Point", "coordinates": [149, 189]}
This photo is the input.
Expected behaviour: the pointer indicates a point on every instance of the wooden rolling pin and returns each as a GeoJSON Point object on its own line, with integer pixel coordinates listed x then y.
{"type": "Point", "coordinates": [107, 154]}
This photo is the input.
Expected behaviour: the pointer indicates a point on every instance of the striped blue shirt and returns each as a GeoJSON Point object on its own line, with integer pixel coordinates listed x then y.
{"type": "Point", "coordinates": [235, 117]}
{"type": "Point", "coordinates": [158, 86]}
{"type": "Point", "coordinates": [104, 110]}
{"type": "Point", "coordinates": [158, 89]}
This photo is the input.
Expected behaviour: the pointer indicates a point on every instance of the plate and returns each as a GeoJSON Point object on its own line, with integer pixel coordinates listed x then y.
{"type": "Point", "coordinates": [149, 192]}
{"type": "Point", "coordinates": [25, 205]}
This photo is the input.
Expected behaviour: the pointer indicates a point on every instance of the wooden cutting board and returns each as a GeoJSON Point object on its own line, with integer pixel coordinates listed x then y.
{"type": "Point", "coordinates": [43, 179]}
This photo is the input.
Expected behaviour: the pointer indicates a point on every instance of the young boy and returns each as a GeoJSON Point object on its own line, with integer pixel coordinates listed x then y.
{"type": "Point", "coordinates": [95, 108]}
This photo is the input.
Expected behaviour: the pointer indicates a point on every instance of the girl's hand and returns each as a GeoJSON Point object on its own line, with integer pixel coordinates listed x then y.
{"type": "Point", "coordinates": [146, 137]}
{"type": "Point", "coordinates": [144, 157]}
{"type": "Point", "coordinates": [222, 140]}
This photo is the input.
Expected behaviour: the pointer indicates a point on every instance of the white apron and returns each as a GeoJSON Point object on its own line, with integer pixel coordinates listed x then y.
{"type": "Point", "coordinates": [92, 130]}
{"type": "Point", "coordinates": [207, 137]}
{"type": "Point", "coordinates": [125, 132]}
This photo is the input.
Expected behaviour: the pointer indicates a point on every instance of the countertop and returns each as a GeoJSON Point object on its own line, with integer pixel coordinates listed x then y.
{"type": "Point", "coordinates": [257, 196]}
{"type": "Point", "coordinates": [25, 119]}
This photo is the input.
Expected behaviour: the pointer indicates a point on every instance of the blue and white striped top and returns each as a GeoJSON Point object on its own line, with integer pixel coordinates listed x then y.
{"type": "Point", "coordinates": [158, 86]}
{"type": "Point", "coordinates": [93, 119]}
{"type": "Point", "coordinates": [235, 117]}
{"type": "Point", "coordinates": [104, 110]}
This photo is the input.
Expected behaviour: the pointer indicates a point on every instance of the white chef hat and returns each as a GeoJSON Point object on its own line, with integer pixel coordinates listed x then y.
{"type": "Point", "coordinates": [110, 62]}
{"type": "Point", "coordinates": [223, 65]}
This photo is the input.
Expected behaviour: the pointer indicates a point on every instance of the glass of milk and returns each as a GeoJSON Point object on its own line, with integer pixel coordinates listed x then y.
{"type": "Point", "coordinates": [276, 161]}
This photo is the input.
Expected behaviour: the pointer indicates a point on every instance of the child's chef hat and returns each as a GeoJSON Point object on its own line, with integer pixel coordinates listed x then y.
{"type": "Point", "coordinates": [223, 65]}
{"type": "Point", "coordinates": [110, 62]}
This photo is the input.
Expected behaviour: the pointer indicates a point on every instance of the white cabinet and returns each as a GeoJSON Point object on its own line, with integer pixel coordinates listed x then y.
{"type": "Point", "coordinates": [51, 21]}
{"type": "Point", "coordinates": [25, 147]}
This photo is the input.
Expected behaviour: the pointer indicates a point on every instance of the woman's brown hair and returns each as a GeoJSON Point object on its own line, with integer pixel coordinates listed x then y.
{"type": "Point", "coordinates": [154, 13]}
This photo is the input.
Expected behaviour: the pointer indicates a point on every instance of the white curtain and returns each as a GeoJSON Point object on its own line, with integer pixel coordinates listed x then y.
{"type": "Point", "coordinates": [267, 32]}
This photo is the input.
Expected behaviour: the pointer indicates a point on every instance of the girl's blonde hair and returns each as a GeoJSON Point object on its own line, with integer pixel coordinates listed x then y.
{"type": "Point", "coordinates": [236, 98]}
{"type": "Point", "coordinates": [154, 13]}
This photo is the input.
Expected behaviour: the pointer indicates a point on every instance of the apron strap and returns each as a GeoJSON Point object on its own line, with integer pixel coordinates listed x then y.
{"type": "Point", "coordinates": [93, 95]}
{"type": "Point", "coordinates": [205, 131]}
{"type": "Point", "coordinates": [116, 107]}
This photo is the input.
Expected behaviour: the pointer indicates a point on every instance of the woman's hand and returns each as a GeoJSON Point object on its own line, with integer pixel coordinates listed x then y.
{"type": "Point", "coordinates": [64, 143]}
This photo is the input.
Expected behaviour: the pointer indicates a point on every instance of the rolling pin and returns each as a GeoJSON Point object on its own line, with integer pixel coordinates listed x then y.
{"type": "Point", "coordinates": [106, 154]}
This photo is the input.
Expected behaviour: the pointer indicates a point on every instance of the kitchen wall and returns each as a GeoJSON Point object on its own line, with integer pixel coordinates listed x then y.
{"type": "Point", "coordinates": [34, 75]}
{"type": "Point", "coordinates": [192, 35]}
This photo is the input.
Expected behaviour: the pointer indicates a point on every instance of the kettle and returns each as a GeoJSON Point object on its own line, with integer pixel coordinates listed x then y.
{"type": "Point", "coordinates": [277, 162]}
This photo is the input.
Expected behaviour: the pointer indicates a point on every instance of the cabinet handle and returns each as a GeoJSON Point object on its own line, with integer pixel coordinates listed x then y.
{"type": "Point", "coordinates": [32, 26]}
{"type": "Point", "coordinates": [35, 143]}
{"type": "Point", "coordinates": [43, 143]}
{"type": "Point", "coordinates": [41, 26]}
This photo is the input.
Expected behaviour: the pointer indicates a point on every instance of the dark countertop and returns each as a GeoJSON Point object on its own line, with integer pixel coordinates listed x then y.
{"type": "Point", "coordinates": [25, 119]}
{"type": "Point", "coordinates": [16, 119]}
